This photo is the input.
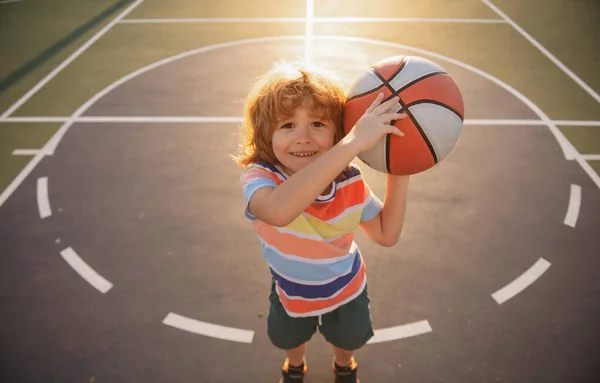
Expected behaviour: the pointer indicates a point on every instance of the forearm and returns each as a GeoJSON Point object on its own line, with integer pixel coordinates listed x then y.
{"type": "Point", "coordinates": [294, 195]}
{"type": "Point", "coordinates": [394, 208]}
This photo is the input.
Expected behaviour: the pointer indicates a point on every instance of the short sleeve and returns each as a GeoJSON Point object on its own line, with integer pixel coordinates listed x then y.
{"type": "Point", "coordinates": [251, 180]}
{"type": "Point", "coordinates": [372, 205]}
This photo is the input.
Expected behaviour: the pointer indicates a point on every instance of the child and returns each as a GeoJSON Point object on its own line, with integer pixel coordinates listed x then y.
{"type": "Point", "coordinates": [305, 200]}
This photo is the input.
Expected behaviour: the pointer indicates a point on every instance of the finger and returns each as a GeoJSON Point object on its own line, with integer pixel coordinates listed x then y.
{"type": "Point", "coordinates": [387, 117]}
{"type": "Point", "coordinates": [386, 106]}
{"type": "Point", "coordinates": [395, 131]}
{"type": "Point", "coordinates": [375, 103]}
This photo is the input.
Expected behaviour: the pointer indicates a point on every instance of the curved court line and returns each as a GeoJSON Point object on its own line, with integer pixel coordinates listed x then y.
{"type": "Point", "coordinates": [521, 282]}
{"type": "Point", "coordinates": [569, 151]}
{"type": "Point", "coordinates": [85, 271]}
{"type": "Point", "coordinates": [42, 198]}
{"type": "Point", "coordinates": [574, 206]}
{"type": "Point", "coordinates": [400, 332]}
{"type": "Point", "coordinates": [208, 329]}
{"type": "Point", "coordinates": [191, 325]}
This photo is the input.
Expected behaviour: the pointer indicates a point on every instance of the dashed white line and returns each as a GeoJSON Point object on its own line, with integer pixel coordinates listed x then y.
{"type": "Point", "coordinates": [522, 282]}
{"type": "Point", "coordinates": [42, 198]}
{"type": "Point", "coordinates": [208, 329]}
{"type": "Point", "coordinates": [574, 206]}
{"type": "Point", "coordinates": [546, 53]}
{"type": "Point", "coordinates": [85, 271]}
{"type": "Point", "coordinates": [400, 332]}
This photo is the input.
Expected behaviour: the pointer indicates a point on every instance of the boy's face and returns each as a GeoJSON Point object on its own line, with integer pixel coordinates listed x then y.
{"type": "Point", "coordinates": [301, 138]}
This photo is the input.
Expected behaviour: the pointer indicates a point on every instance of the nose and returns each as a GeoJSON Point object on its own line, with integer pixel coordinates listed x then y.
{"type": "Point", "coordinates": [303, 134]}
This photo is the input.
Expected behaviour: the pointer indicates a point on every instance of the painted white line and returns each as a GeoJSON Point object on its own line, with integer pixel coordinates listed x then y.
{"type": "Point", "coordinates": [20, 177]}
{"type": "Point", "coordinates": [546, 53]}
{"type": "Point", "coordinates": [568, 150]}
{"type": "Point", "coordinates": [215, 20]}
{"type": "Point", "coordinates": [220, 119]}
{"type": "Point", "coordinates": [9, 1]}
{"type": "Point", "coordinates": [314, 19]}
{"type": "Point", "coordinates": [310, 10]}
{"type": "Point", "coordinates": [25, 152]}
{"type": "Point", "coordinates": [589, 170]}
{"type": "Point", "coordinates": [42, 198]}
{"type": "Point", "coordinates": [85, 271]}
{"type": "Point", "coordinates": [591, 157]}
{"type": "Point", "coordinates": [522, 282]}
{"type": "Point", "coordinates": [34, 119]}
{"type": "Point", "coordinates": [400, 332]}
{"type": "Point", "coordinates": [67, 61]}
{"type": "Point", "coordinates": [405, 20]}
{"type": "Point", "coordinates": [208, 329]}
{"type": "Point", "coordinates": [531, 122]}
{"type": "Point", "coordinates": [574, 206]}
{"type": "Point", "coordinates": [128, 119]}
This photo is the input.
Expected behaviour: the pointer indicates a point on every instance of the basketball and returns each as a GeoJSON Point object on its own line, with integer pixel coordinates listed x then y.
{"type": "Point", "coordinates": [433, 104]}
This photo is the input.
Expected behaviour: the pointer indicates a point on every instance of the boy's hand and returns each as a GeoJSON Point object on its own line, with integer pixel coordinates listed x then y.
{"type": "Point", "coordinates": [374, 124]}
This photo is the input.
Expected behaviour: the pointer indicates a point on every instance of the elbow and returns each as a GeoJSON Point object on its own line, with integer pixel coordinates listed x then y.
{"type": "Point", "coordinates": [389, 240]}
{"type": "Point", "coordinates": [385, 242]}
{"type": "Point", "coordinates": [279, 219]}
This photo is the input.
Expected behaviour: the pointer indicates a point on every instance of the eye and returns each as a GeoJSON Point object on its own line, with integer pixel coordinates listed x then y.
{"type": "Point", "coordinates": [287, 126]}
{"type": "Point", "coordinates": [318, 124]}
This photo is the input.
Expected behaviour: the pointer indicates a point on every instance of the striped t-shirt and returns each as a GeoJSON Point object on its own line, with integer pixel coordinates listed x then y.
{"type": "Point", "coordinates": [314, 260]}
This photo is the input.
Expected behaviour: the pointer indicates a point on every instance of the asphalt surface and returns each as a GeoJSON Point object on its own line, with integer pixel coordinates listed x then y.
{"type": "Point", "coordinates": [156, 209]}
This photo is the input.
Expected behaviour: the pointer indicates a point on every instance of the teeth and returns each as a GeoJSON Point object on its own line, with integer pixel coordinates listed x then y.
{"type": "Point", "coordinates": [303, 154]}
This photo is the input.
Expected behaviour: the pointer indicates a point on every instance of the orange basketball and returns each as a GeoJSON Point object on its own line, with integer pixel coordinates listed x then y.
{"type": "Point", "coordinates": [432, 101]}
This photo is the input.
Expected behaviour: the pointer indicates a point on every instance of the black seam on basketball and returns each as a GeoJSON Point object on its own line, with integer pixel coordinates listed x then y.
{"type": "Point", "coordinates": [402, 66]}
{"type": "Point", "coordinates": [385, 82]}
{"type": "Point", "coordinates": [365, 93]}
{"type": "Point", "coordinates": [387, 153]}
{"type": "Point", "coordinates": [423, 135]}
{"type": "Point", "coordinates": [438, 103]}
{"type": "Point", "coordinates": [396, 92]}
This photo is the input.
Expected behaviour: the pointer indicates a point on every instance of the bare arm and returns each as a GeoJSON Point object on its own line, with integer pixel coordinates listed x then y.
{"type": "Point", "coordinates": [385, 227]}
{"type": "Point", "coordinates": [280, 205]}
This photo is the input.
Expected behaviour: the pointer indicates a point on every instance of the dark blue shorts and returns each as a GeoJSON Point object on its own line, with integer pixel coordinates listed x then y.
{"type": "Point", "coordinates": [348, 327]}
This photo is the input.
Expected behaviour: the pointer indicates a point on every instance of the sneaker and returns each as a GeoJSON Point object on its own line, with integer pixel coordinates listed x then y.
{"type": "Point", "coordinates": [348, 374]}
{"type": "Point", "coordinates": [291, 374]}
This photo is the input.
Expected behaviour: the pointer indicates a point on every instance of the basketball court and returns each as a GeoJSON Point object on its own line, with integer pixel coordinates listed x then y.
{"type": "Point", "coordinates": [125, 254]}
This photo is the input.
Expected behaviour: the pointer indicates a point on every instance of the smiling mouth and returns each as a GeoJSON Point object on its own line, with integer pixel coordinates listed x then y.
{"type": "Point", "coordinates": [304, 154]}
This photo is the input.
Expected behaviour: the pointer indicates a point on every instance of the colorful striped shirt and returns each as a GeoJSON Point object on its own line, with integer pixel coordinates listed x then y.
{"type": "Point", "coordinates": [314, 260]}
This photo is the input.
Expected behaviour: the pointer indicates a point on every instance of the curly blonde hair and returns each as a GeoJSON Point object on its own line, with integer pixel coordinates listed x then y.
{"type": "Point", "coordinates": [275, 96]}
